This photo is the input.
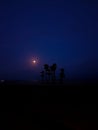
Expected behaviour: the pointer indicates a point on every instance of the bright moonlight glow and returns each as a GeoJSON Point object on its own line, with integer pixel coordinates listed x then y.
{"type": "Point", "coordinates": [34, 61]}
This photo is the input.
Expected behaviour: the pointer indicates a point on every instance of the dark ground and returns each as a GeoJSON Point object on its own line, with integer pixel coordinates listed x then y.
{"type": "Point", "coordinates": [33, 106]}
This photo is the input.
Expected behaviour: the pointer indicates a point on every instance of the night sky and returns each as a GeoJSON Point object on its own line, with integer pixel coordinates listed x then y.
{"type": "Point", "coordinates": [54, 31]}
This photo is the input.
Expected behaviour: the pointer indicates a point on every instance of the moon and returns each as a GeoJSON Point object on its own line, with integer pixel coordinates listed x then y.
{"type": "Point", "coordinates": [34, 61]}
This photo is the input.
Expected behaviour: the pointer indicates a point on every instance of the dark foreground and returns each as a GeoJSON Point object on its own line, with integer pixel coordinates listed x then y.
{"type": "Point", "coordinates": [66, 107]}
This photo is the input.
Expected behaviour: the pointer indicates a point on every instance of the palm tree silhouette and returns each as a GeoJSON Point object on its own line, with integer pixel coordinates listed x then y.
{"type": "Point", "coordinates": [53, 70]}
{"type": "Point", "coordinates": [62, 75]}
{"type": "Point", "coordinates": [46, 68]}
{"type": "Point", "coordinates": [42, 75]}
{"type": "Point", "coordinates": [49, 74]}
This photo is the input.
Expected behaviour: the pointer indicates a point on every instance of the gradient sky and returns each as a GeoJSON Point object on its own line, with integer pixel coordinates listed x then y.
{"type": "Point", "coordinates": [61, 31]}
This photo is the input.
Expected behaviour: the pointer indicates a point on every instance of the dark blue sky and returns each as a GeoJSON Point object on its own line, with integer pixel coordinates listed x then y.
{"type": "Point", "coordinates": [61, 31]}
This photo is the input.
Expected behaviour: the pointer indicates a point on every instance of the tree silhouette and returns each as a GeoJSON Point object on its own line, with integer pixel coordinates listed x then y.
{"type": "Point", "coordinates": [46, 68]}
{"type": "Point", "coordinates": [42, 75]}
{"type": "Point", "coordinates": [62, 75]}
{"type": "Point", "coordinates": [53, 70]}
{"type": "Point", "coordinates": [49, 74]}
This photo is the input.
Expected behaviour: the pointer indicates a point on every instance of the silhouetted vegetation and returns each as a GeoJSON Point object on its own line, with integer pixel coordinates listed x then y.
{"type": "Point", "coordinates": [42, 75]}
{"type": "Point", "coordinates": [49, 74]}
{"type": "Point", "coordinates": [46, 68]}
{"type": "Point", "coordinates": [53, 70]}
